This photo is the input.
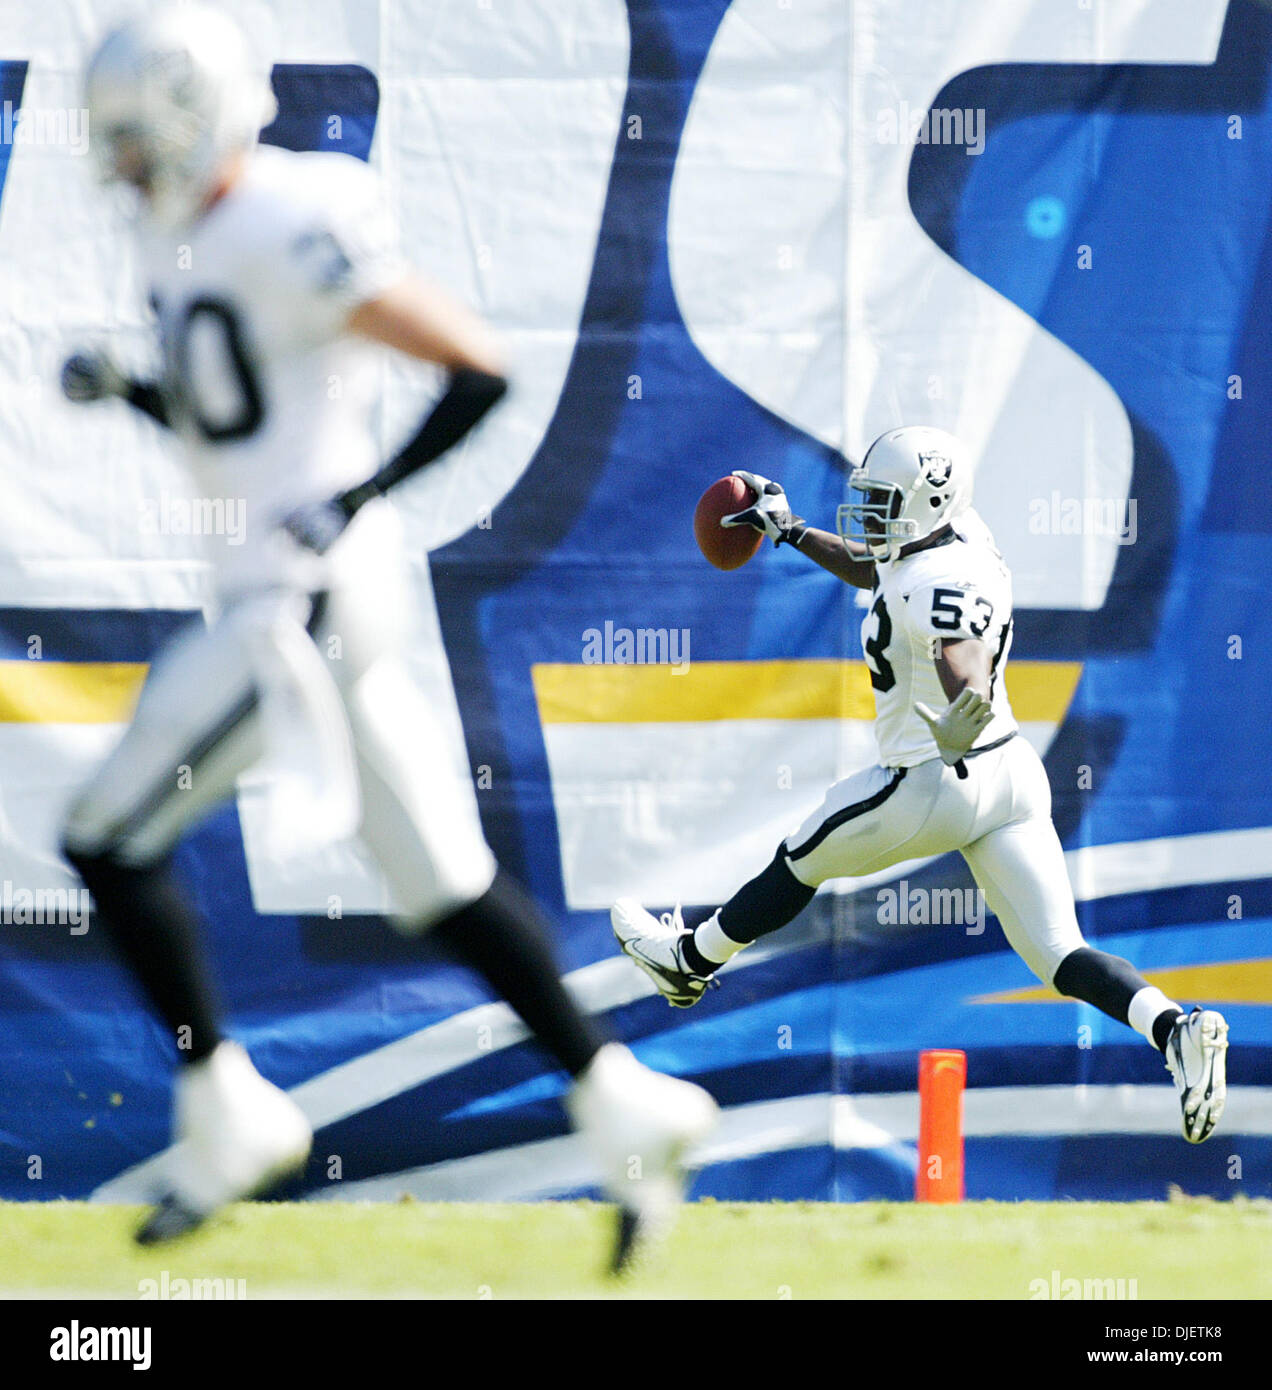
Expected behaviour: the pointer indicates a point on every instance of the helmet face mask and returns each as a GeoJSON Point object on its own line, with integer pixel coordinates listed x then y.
{"type": "Point", "coordinates": [911, 482]}
{"type": "Point", "coordinates": [125, 156]}
{"type": "Point", "coordinates": [875, 519]}
{"type": "Point", "coordinates": [129, 154]}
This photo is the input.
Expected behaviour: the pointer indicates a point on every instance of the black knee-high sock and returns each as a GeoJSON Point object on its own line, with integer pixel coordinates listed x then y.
{"type": "Point", "coordinates": [769, 901]}
{"type": "Point", "coordinates": [153, 927]}
{"type": "Point", "coordinates": [505, 938]}
{"type": "Point", "coordinates": [1109, 983]}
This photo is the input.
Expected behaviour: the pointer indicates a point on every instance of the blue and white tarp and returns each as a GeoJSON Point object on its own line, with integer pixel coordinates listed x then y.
{"type": "Point", "coordinates": [715, 235]}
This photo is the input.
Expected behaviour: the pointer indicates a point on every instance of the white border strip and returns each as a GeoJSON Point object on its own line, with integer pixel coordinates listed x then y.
{"type": "Point", "coordinates": [1147, 866]}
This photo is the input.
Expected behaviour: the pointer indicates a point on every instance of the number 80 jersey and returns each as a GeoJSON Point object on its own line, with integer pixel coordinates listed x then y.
{"type": "Point", "coordinates": [958, 588]}
{"type": "Point", "coordinates": [270, 396]}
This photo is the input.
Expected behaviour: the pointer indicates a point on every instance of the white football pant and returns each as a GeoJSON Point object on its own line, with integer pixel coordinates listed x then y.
{"type": "Point", "coordinates": [998, 817]}
{"type": "Point", "coordinates": [198, 726]}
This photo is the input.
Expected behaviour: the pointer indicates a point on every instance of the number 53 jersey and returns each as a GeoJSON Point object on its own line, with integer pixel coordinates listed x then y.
{"type": "Point", "coordinates": [269, 394]}
{"type": "Point", "coordinates": [957, 588]}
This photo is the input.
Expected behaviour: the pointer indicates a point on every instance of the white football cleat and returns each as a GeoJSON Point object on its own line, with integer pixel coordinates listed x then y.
{"type": "Point", "coordinates": [654, 944]}
{"type": "Point", "coordinates": [640, 1126]}
{"type": "Point", "coordinates": [237, 1135]}
{"type": "Point", "coordinates": [1196, 1057]}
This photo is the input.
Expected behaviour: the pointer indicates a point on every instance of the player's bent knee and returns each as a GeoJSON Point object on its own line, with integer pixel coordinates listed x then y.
{"type": "Point", "coordinates": [83, 838]}
{"type": "Point", "coordinates": [91, 837]}
{"type": "Point", "coordinates": [101, 870]}
{"type": "Point", "coordinates": [806, 872]}
{"type": "Point", "coordinates": [86, 841]}
{"type": "Point", "coordinates": [1048, 966]}
{"type": "Point", "coordinates": [421, 920]}
{"type": "Point", "coordinates": [446, 895]}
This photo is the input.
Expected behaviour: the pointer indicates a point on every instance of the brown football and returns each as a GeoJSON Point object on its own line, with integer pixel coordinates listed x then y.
{"type": "Point", "coordinates": [727, 547]}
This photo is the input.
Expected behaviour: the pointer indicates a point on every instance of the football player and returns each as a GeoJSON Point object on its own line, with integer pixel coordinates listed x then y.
{"type": "Point", "coordinates": [273, 274]}
{"type": "Point", "coordinates": [953, 774]}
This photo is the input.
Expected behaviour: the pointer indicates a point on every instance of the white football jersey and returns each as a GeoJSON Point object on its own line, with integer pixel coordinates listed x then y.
{"type": "Point", "coordinates": [958, 588]}
{"type": "Point", "coordinates": [271, 399]}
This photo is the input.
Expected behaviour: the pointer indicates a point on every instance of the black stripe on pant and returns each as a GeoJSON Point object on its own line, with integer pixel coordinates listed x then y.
{"type": "Point", "coordinates": [846, 814]}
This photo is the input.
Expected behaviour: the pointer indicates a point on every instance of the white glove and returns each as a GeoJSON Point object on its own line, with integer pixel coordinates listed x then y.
{"type": "Point", "coordinates": [91, 376]}
{"type": "Point", "coordinates": [959, 725]}
{"type": "Point", "coordinates": [770, 512]}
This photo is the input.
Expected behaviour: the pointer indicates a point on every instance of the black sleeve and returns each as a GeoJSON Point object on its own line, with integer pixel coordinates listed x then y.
{"type": "Point", "coordinates": [146, 397]}
{"type": "Point", "coordinates": [469, 395]}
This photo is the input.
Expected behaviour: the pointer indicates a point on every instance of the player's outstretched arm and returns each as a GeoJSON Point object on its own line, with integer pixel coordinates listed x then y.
{"type": "Point", "coordinates": [419, 320]}
{"type": "Point", "coordinates": [846, 560]}
{"type": "Point", "coordinates": [94, 376]}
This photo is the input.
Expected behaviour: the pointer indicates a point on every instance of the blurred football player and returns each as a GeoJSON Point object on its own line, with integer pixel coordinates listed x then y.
{"type": "Point", "coordinates": [952, 772]}
{"type": "Point", "coordinates": [273, 274]}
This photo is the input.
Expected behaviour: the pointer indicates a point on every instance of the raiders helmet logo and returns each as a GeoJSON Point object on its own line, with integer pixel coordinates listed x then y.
{"type": "Point", "coordinates": [936, 467]}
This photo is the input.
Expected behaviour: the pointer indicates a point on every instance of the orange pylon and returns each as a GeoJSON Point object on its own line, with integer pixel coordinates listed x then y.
{"type": "Point", "coordinates": [942, 1076]}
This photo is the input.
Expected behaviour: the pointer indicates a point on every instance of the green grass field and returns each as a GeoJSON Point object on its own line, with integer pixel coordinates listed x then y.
{"type": "Point", "coordinates": [727, 1250]}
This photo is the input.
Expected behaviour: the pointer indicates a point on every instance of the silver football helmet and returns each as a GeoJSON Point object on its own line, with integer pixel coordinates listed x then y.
{"type": "Point", "coordinates": [171, 94]}
{"type": "Point", "coordinates": [910, 483]}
